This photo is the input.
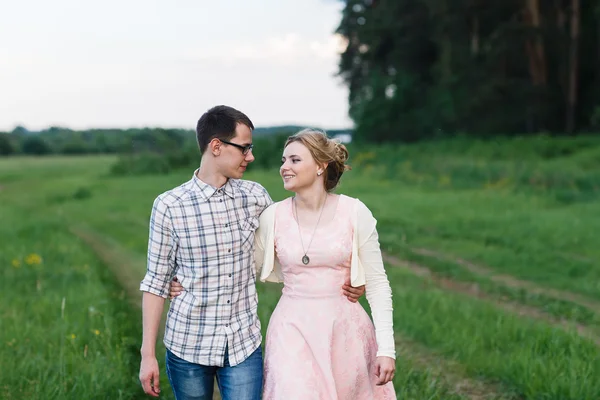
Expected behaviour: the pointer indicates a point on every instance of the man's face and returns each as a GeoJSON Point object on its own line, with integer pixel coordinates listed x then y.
{"type": "Point", "coordinates": [232, 160]}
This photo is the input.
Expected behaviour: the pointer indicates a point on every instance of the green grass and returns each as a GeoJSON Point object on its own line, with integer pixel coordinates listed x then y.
{"type": "Point", "coordinates": [560, 308]}
{"type": "Point", "coordinates": [469, 201]}
{"type": "Point", "coordinates": [531, 358]}
{"type": "Point", "coordinates": [526, 236]}
{"type": "Point", "coordinates": [67, 330]}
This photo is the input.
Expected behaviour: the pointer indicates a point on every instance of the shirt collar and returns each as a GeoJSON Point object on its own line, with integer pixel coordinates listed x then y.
{"type": "Point", "coordinates": [206, 191]}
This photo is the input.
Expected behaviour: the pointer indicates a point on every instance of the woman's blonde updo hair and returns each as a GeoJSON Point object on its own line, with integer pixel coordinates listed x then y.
{"type": "Point", "coordinates": [324, 151]}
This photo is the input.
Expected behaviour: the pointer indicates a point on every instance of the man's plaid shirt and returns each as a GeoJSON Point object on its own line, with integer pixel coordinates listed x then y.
{"type": "Point", "coordinates": [205, 236]}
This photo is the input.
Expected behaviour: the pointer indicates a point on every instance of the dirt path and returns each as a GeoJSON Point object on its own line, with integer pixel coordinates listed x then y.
{"type": "Point", "coordinates": [513, 282]}
{"type": "Point", "coordinates": [451, 373]}
{"type": "Point", "coordinates": [472, 289]}
{"type": "Point", "coordinates": [127, 268]}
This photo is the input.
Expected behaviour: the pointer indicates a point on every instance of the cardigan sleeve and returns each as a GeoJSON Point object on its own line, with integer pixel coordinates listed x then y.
{"type": "Point", "coordinates": [260, 238]}
{"type": "Point", "coordinates": [378, 290]}
{"type": "Point", "coordinates": [267, 266]}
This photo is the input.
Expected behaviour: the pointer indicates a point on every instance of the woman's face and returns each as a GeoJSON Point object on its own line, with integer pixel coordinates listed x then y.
{"type": "Point", "coordinates": [298, 167]}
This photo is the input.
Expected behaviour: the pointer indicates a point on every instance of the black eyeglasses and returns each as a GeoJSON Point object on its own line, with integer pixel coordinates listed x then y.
{"type": "Point", "coordinates": [245, 149]}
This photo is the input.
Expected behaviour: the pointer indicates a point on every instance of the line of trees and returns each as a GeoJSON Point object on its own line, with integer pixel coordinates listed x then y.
{"type": "Point", "coordinates": [423, 68]}
{"type": "Point", "coordinates": [58, 140]}
{"type": "Point", "coordinates": [158, 141]}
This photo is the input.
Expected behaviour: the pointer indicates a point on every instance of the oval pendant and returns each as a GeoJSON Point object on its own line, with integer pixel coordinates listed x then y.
{"type": "Point", "coordinates": [305, 259]}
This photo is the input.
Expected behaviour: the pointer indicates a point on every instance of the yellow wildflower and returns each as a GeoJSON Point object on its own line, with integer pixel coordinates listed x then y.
{"type": "Point", "coordinates": [16, 263]}
{"type": "Point", "coordinates": [96, 332]}
{"type": "Point", "coordinates": [33, 259]}
{"type": "Point", "coordinates": [72, 336]}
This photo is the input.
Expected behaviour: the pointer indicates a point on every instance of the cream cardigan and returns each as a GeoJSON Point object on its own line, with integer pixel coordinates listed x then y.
{"type": "Point", "coordinates": [366, 268]}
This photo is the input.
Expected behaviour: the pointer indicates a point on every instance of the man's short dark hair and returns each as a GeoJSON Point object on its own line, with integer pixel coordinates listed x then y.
{"type": "Point", "coordinates": [219, 122]}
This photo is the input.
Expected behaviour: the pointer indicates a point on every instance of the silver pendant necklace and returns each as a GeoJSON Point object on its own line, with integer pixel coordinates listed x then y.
{"type": "Point", "coordinates": [305, 258]}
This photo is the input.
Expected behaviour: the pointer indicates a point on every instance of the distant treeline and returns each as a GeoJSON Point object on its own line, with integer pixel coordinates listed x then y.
{"type": "Point", "coordinates": [157, 141]}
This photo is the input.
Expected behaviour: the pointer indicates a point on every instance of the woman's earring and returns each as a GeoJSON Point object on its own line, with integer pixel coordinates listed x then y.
{"type": "Point", "coordinates": [319, 173]}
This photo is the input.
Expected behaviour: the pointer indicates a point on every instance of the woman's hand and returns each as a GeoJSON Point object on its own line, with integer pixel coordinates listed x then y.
{"type": "Point", "coordinates": [385, 367]}
{"type": "Point", "coordinates": [175, 288]}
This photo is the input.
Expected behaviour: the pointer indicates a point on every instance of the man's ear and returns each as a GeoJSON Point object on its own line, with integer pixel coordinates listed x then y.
{"type": "Point", "coordinates": [214, 147]}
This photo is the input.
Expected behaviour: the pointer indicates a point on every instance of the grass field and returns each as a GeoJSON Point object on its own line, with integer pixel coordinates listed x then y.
{"type": "Point", "coordinates": [491, 249]}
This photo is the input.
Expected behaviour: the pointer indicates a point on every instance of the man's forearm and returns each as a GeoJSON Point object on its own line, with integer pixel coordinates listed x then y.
{"type": "Point", "coordinates": [152, 308]}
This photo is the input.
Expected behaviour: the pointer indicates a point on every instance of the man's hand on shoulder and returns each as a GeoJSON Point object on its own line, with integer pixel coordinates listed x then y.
{"type": "Point", "coordinates": [353, 293]}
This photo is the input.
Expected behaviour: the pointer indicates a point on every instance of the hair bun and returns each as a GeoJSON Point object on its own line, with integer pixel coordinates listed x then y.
{"type": "Point", "coordinates": [341, 154]}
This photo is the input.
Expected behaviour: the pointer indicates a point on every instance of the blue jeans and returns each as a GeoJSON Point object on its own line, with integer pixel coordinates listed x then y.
{"type": "Point", "coordinates": [196, 382]}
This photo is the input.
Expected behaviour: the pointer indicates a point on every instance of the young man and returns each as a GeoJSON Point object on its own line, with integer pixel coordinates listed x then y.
{"type": "Point", "coordinates": [203, 232]}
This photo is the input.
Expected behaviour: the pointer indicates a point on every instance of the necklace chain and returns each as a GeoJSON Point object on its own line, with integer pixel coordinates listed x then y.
{"type": "Point", "coordinates": [306, 259]}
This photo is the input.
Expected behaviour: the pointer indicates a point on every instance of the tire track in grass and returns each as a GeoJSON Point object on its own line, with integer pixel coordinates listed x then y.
{"type": "Point", "coordinates": [128, 269]}
{"type": "Point", "coordinates": [472, 290]}
{"type": "Point", "coordinates": [512, 281]}
{"type": "Point", "coordinates": [125, 266]}
{"type": "Point", "coordinates": [557, 308]}
{"type": "Point", "coordinates": [451, 373]}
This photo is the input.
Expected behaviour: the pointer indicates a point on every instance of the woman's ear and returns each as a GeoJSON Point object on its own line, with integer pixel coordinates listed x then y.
{"type": "Point", "coordinates": [321, 170]}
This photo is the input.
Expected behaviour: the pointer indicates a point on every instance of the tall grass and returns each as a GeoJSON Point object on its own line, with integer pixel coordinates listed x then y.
{"type": "Point", "coordinates": [533, 359]}
{"type": "Point", "coordinates": [566, 169]}
{"type": "Point", "coordinates": [68, 331]}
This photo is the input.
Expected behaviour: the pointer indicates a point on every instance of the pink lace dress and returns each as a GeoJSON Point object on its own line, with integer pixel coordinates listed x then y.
{"type": "Point", "coordinates": [319, 345]}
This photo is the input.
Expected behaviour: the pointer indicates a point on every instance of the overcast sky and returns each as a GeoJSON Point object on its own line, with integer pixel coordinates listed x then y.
{"type": "Point", "coordinates": [132, 63]}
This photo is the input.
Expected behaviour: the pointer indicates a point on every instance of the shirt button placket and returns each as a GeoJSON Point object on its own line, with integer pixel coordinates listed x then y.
{"type": "Point", "coordinates": [229, 286]}
{"type": "Point", "coordinates": [227, 235]}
